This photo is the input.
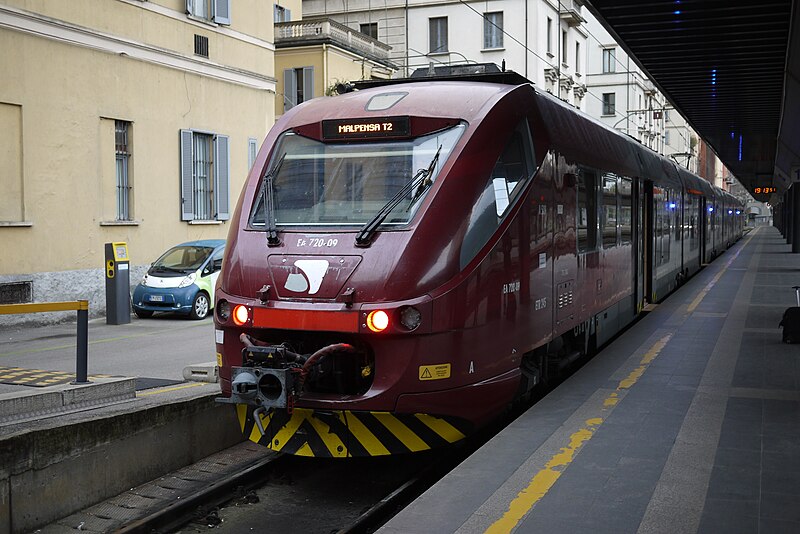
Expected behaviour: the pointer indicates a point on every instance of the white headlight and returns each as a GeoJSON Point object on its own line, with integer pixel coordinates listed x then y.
{"type": "Point", "coordinates": [189, 280]}
{"type": "Point", "coordinates": [144, 280]}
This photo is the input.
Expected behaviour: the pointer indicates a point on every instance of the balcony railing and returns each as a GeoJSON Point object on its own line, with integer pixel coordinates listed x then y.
{"type": "Point", "coordinates": [308, 31]}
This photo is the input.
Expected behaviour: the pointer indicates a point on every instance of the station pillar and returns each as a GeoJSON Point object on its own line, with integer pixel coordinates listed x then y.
{"type": "Point", "coordinates": [118, 284]}
{"type": "Point", "coordinates": [795, 191]}
{"type": "Point", "coordinates": [789, 217]}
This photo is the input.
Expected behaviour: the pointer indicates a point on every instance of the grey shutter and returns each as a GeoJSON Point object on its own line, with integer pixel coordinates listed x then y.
{"type": "Point", "coordinates": [289, 89]}
{"type": "Point", "coordinates": [308, 83]}
{"type": "Point", "coordinates": [222, 171]}
{"type": "Point", "coordinates": [252, 152]}
{"type": "Point", "coordinates": [222, 11]}
{"type": "Point", "coordinates": [187, 197]}
{"type": "Point", "coordinates": [288, 15]}
{"type": "Point", "coordinates": [189, 6]}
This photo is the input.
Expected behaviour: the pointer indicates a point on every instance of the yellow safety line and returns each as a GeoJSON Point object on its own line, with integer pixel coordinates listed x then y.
{"type": "Point", "coordinates": [700, 296]}
{"type": "Point", "coordinates": [401, 431]}
{"type": "Point", "coordinates": [542, 481]}
{"type": "Point", "coordinates": [441, 427]}
{"type": "Point", "coordinates": [167, 390]}
{"type": "Point", "coordinates": [38, 307]}
{"type": "Point", "coordinates": [367, 439]}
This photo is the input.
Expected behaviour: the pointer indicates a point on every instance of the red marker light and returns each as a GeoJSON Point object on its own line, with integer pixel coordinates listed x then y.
{"type": "Point", "coordinates": [377, 320]}
{"type": "Point", "coordinates": [240, 314]}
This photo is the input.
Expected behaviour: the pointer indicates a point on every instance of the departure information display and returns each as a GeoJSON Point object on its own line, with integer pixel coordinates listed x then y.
{"type": "Point", "coordinates": [379, 127]}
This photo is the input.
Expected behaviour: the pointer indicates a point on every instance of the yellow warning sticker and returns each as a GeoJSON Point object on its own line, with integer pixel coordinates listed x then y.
{"type": "Point", "coordinates": [219, 360]}
{"type": "Point", "coordinates": [434, 372]}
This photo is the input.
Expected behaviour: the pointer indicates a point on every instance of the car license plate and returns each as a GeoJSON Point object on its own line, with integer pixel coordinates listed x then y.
{"type": "Point", "coordinates": [156, 298]}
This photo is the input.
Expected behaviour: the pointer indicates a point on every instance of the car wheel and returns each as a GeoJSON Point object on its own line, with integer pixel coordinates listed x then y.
{"type": "Point", "coordinates": [200, 306]}
{"type": "Point", "coordinates": [143, 314]}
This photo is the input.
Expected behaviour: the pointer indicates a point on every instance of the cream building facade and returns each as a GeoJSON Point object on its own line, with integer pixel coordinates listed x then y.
{"type": "Point", "coordinates": [123, 120]}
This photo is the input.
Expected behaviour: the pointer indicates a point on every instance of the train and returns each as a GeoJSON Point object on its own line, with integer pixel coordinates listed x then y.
{"type": "Point", "coordinates": [407, 260]}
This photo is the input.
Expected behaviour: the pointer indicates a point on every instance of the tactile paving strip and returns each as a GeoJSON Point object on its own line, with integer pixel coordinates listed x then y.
{"type": "Point", "coordinates": [17, 376]}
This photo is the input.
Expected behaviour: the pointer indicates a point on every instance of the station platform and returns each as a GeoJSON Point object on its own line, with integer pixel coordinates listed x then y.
{"type": "Point", "coordinates": [688, 422]}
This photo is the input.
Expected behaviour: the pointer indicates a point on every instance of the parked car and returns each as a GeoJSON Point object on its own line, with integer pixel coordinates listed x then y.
{"type": "Point", "coordinates": [181, 280]}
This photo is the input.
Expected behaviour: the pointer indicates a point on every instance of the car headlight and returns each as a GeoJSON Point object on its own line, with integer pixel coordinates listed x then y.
{"type": "Point", "coordinates": [189, 280]}
{"type": "Point", "coordinates": [144, 280]}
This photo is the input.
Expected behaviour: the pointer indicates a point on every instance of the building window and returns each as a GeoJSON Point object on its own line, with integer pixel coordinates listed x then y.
{"type": "Point", "coordinates": [205, 171]}
{"type": "Point", "coordinates": [549, 36]}
{"type": "Point", "coordinates": [609, 60]}
{"type": "Point", "coordinates": [493, 30]}
{"type": "Point", "coordinates": [123, 154]}
{"type": "Point", "coordinates": [218, 11]}
{"type": "Point", "coordinates": [282, 14]}
{"type": "Point", "coordinates": [609, 103]}
{"type": "Point", "coordinates": [577, 57]}
{"type": "Point", "coordinates": [298, 86]}
{"type": "Point", "coordinates": [564, 47]}
{"type": "Point", "coordinates": [370, 29]}
{"type": "Point", "coordinates": [666, 137]}
{"type": "Point", "coordinates": [438, 35]}
{"type": "Point", "coordinates": [252, 152]}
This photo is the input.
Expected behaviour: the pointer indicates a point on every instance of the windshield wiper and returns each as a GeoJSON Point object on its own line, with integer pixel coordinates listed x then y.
{"type": "Point", "coordinates": [269, 204]}
{"type": "Point", "coordinates": [165, 269]}
{"type": "Point", "coordinates": [420, 181]}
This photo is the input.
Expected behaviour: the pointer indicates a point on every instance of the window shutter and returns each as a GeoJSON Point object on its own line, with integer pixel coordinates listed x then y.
{"type": "Point", "coordinates": [187, 198]}
{"type": "Point", "coordinates": [222, 171]}
{"type": "Point", "coordinates": [252, 152]}
{"type": "Point", "coordinates": [222, 11]}
{"type": "Point", "coordinates": [189, 6]}
{"type": "Point", "coordinates": [289, 89]}
{"type": "Point", "coordinates": [288, 15]}
{"type": "Point", "coordinates": [308, 83]}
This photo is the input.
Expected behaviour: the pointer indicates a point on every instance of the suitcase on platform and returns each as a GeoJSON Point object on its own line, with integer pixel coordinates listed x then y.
{"type": "Point", "coordinates": [791, 321]}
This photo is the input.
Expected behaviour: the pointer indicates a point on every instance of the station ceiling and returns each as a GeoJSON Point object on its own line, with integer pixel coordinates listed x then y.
{"type": "Point", "coordinates": [731, 68]}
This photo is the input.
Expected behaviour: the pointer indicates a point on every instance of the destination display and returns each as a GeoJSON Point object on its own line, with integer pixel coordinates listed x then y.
{"type": "Point", "coordinates": [379, 127]}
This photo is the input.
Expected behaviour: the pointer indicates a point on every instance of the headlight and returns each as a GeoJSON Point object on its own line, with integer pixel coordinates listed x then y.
{"type": "Point", "coordinates": [189, 280]}
{"type": "Point", "coordinates": [144, 280]}
{"type": "Point", "coordinates": [410, 317]}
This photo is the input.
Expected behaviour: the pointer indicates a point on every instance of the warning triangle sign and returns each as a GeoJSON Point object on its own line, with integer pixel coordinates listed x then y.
{"type": "Point", "coordinates": [426, 373]}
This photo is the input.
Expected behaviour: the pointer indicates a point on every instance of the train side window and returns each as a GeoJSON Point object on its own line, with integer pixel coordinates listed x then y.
{"type": "Point", "coordinates": [626, 210]}
{"type": "Point", "coordinates": [586, 224]}
{"type": "Point", "coordinates": [609, 212]}
{"type": "Point", "coordinates": [513, 169]}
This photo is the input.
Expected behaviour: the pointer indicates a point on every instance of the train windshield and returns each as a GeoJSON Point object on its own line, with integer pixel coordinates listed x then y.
{"type": "Point", "coordinates": [318, 184]}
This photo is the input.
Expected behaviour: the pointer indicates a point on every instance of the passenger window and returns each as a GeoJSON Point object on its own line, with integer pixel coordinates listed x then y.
{"type": "Point", "coordinates": [609, 211]}
{"type": "Point", "coordinates": [513, 168]}
{"type": "Point", "coordinates": [511, 172]}
{"type": "Point", "coordinates": [626, 210]}
{"type": "Point", "coordinates": [586, 224]}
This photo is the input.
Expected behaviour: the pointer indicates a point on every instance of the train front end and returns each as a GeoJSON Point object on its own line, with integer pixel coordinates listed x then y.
{"type": "Point", "coordinates": [335, 331]}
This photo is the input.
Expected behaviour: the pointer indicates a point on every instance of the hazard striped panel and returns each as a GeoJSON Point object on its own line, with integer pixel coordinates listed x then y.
{"type": "Point", "coordinates": [37, 377]}
{"type": "Point", "coordinates": [341, 434]}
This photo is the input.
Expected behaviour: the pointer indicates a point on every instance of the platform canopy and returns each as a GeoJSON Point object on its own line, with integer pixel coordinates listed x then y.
{"type": "Point", "coordinates": [731, 68]}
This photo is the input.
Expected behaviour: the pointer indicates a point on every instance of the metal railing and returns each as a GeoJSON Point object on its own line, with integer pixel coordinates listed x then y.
{"type": "Point", "coordinates": [337, 32]}
{"type": "Point", "coordinates": [82, 307]}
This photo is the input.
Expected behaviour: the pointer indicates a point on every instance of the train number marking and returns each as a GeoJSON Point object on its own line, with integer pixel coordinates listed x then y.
{"type": "Point", "coordinates": [434, 372]}
{"type": "Point", "coordinates": [317, 242]}
{"type": "Point", "coordinates": [540, 304]}
{"type": "Point", "coordinates": [513, 287]}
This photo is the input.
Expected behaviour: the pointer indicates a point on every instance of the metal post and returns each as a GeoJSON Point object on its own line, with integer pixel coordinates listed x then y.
{"type": "Point", "coordinates": [795, 220]}
{"type": "Point", "coordinates": [82, 364]}
{"type": "Point", "coordinates": [790, 209]}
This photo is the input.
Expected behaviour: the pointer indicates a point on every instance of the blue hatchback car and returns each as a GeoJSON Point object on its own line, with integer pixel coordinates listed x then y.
{"type": "Point", "coordinates": [181, 281]}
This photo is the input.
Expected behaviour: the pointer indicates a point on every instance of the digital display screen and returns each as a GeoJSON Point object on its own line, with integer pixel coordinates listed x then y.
{"type": "Point", "coordinates": [379, 127]}
{"type": "Point", "coordinates": [764, 190]}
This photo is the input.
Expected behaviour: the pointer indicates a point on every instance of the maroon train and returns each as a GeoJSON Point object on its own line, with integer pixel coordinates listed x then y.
{"type": "Point", "coordinates": [405, 261]}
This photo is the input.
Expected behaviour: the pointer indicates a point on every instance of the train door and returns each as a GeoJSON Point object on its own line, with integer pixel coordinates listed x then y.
{"type": "Point", "coordinates": [703, 230]}
{"type": "Point", "coordinates": [648, 238]}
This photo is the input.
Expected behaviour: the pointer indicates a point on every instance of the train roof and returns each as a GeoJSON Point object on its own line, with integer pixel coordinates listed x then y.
{"type": "Point", "coordinates": [420, 98]}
